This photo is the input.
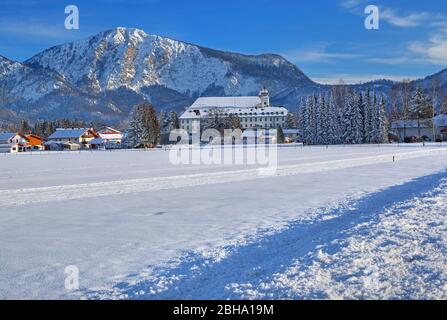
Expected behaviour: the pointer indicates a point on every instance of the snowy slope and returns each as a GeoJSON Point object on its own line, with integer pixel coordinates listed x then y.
{"type": "Point", "coordinates": [28, 83]}
{"type": "Point", "coordinates": [131, 222]}
{"type": "Point", "coordinates": [440, 79]}
{"type": "Point", "coordinates": [41, 93]}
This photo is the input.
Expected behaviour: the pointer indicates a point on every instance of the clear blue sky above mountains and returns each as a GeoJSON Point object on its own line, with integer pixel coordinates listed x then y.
{"type": "Point", "coordinates": [325, 38]}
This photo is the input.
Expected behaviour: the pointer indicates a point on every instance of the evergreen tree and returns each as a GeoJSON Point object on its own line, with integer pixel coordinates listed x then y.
{"type": "Point", "coordinates": [383, 123]}
{"type": "Point", "coordinates": [39, 128]}
{"type": "Point", "coordinates": [291, 121]}
{"type": "Point", "coordinates": [374, 121]}
{"type": "Point", "coordinates": [280, 134]}
{"type": "Point", "coordinates": [49, 129]}
{"type": "Point", "coordinates": [163, 121]}
{"type": "Point", "coordinates": [333, 124]}
{"type": "Point", "coordinates": [25, 127]}
{"type": "Point", "coordinates": [420, 107]}
{"type": "Point", "coordinates": [348, 118]}
{"type": "Point", "coordinates": [367, 117]}
{"type": "Point", "coordinates": [144, 128]}
{"type": "Point", "coordinates": [174, 120]}
{"type": "Point", "coordinates": [302, 119]}
{"type": "Point", "coordinates": [357, 120]}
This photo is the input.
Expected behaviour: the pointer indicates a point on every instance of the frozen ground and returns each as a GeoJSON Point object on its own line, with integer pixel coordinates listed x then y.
{"type": "Point", "coordinates": [342, 222]}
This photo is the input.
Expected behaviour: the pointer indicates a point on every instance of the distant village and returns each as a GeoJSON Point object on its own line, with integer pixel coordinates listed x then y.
{"type": "Point", "coordinates": [342, 117]}
{"type": "Point", "coordinates": [146, 129]}
{"type": "Point", "coordinates": [61, 140]}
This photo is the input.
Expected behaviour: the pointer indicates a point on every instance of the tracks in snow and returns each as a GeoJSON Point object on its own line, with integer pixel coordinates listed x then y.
{"type": "Point", "coordinates": [19, 197]}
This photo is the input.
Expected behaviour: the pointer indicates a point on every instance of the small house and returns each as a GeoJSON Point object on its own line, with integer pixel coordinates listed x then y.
{"type": "Point", "coordinates": [18, 142]}
{"type": "Point", "coordinates": [109, 138]}
{"type": "Point", "coordinates": [71, 137]}
{"type": "Point", "coordinates": [423, 128]}
{"type": "Point", "coordinates": [61, 146]}
{"type": "Point", "coordinates": [110, 135]}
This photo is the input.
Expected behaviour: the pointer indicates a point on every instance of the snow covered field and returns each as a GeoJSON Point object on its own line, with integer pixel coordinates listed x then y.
{"type": "Point", "coordinates": [337, 222]}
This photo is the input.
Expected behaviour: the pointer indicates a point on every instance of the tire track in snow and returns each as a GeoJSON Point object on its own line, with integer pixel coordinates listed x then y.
{"type": "Point", "coordinates": [14, 197]}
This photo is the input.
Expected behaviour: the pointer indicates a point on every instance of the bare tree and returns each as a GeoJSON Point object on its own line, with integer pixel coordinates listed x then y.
{"type": "Point", "coordinates": [404, 92]}
{"type": "Point", "coordinates": [394, 97]}
{"type": "Point", "coordinates": [435, 102]}
{"type": "Point", "coordinates": [220, 120]}
{"type": "Point", "coordinates": [443, 109]}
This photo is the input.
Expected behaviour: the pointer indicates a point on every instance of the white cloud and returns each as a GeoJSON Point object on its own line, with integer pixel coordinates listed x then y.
{"type": "Point", "coordinates": [318, 53]}
{"type": "Point", "coordinates": [395, 17]}
{"type": "Point", "coordinates": [431, 51]}
{"type": "Point", "coordinates": [407, 21]}
{"type": "Point", "coordinates": [434, 50]}
{"type": "Point", "coordinates": [36, 29]}
{"type": "Point", "coordinates": [400, 59]}
{"type": "Point", "coordinates": [351, 4]}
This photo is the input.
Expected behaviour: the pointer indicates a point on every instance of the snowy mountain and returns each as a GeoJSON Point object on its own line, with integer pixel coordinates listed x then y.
{"type": "Point", "coordinates": [133, 65]}
{"type": "Point", "coordinates": [33, 92]}
{"type": "Point", "coordinates": [440, 79]}
{"type": "Point", "coordinates": [104, 76]}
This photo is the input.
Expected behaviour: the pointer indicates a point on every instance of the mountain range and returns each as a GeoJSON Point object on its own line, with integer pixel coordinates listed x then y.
{"type": "Point", "coordinates": [102, 77]}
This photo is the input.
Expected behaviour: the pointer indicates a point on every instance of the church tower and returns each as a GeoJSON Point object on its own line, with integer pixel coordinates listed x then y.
{"type": "Point", "coordinates": [265, 97]}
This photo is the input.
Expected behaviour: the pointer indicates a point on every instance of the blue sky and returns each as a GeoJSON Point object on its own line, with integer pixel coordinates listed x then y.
{"type": "Point", "coordinates": [325, 38]}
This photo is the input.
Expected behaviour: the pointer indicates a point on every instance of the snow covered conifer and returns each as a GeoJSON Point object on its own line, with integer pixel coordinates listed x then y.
{"type": "Point", "coordinates": [367, 107]}
{"type": "Point", "coordinates": [291, 121]}
{"type": "Point", "coordinates": [357, 120]}
{"type": "Point", "coordinates": [174, 120]}
{"type": "Point", "coordinates": [280, 134]}
{"type": "Point", "coordinates": [420, 107]}
{"type": "Point", "coordinates": [144, 129]}
{"type": "Point", "coordinates": [383, 122]}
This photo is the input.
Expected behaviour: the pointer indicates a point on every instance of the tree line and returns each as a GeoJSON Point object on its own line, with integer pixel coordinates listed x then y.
{"type": "Point", "coordinates": [343, 116]}
{"type": "Point", "coordinates": [346, 116]}
{"type": "Point", "coordinates": [146, 128]}
{"type": "Point", "coordinates": [339, 116]}
{"type": "Point", "coordinates": [45, 128]}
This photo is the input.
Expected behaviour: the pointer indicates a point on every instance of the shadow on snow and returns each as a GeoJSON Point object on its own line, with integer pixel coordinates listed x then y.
{"type": "Point", "coordinates": [272, 254]}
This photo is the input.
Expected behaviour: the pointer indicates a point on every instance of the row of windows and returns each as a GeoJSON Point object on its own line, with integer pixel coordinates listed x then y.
{"type": "Point", "coordinates": [197, 112]}
{"type": "Point", "coordinates": [249, 119]}
{"type": "Point", "coordinates": [262, 119]}
{"type": "Point", "coordinates": [244, 126]}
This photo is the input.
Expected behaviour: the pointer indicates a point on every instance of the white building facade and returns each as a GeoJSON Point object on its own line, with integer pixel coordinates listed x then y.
{"type": "Point", "coordinates": [433, 129]}
{"type": "Point", "coordinates": [254, 112]}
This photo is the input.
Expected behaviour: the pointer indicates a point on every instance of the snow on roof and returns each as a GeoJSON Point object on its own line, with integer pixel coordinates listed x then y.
{"type": "Point", "coordinates": [225, 102]}
{"type": "Point", "coordinates": [111, 136]}
{"type": "Point", "coordinates": [240, 106]}
{"type": "Point", "coordinates": [68, 133]}
{"type": "Point", "coordinates": [109, 130]}
{"type": "Point", "coordinates": [5, 136]}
